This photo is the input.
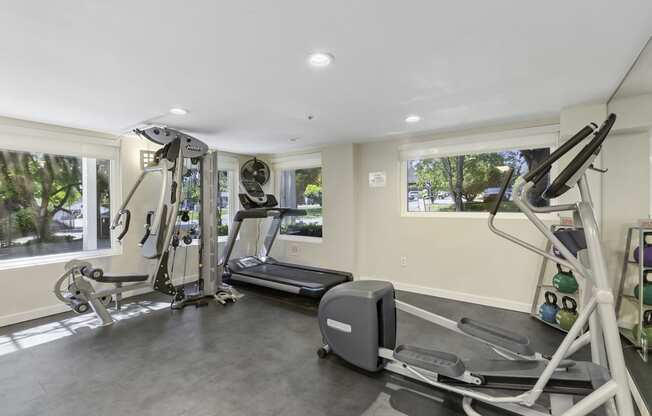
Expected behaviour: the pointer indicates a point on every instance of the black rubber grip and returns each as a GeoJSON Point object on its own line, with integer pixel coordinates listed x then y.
{"type": "Point", "coordinates": [541, 170]}
{"type": "Point", "coordinates": [559, 186]}
{"type": "Point", "coordinates": [91, 272]}
{"type": "Point", "coordinates": [125, 226]}
{"type": "Point", "coordinates": [503, 189]}
{"type": "Point", "coordinates": [148, 225]}
{"type": "Point", "coordinates": [173, 193]}
{"type": "Point", "coordinates": [251, 213]}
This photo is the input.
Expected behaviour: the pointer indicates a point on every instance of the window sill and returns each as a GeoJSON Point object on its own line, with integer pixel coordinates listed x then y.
{"type": "Point", "coordinates": [300, 238]}
{"type": "Point", "coordinates": [58, 258]}
{"type": "Point", "coordinates": [477, 215]}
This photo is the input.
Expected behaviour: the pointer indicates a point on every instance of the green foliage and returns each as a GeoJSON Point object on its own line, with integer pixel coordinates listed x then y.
{"type": "Point", "coordinates": [222, 230]}
{"type": "Point", "coordinates": [314, 212]}
{"type": "Point", "coordinates": [480, 172]}
{"type": "Point", "coordinates": [223, 180]}
{"type": "Point", "coordinates": [313, 192]}
{"type": "Point", "coordinates": [25, 220]}
{"type": "Point", "coordinates": [302, 229]}
{"type": "Point", "coordinates": [41, 184]}
{"type": "Point", "coordinates": [305, 178]}
{"type": "Point", "coordinates": [465, 177]}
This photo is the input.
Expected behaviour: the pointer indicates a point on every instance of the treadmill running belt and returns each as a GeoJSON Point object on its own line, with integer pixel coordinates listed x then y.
{"type": "Point", "coordinates": [293, 276]}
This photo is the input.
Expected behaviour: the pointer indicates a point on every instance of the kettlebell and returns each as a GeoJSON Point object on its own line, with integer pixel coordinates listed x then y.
{"type": "Point", "coordinates": [647, 254]}
{"type": "Point", "coordinates": [564, 282]}
{"type": "Point", "coordinates": [567, 316]}
{"type": "Point", "coordinates": [647, 289]}
{"type": "Point", "coordinates": [185, 216]}
{"type": "Point", "coordinates": [548, 310]}
{"type": "Point", "coordinates": [647, 326]}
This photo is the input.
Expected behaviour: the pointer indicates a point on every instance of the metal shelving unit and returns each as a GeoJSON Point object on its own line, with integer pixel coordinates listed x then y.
{"type": "Point", "coordinates": [544, 283]}
{"type": "Point", "coordinates": [643, 230]}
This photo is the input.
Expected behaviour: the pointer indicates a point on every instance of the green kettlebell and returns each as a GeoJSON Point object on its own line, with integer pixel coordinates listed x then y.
{"type": "Point", "coordinates": [567, 316]}
{"type": "Point", "coordinates": [565, 282]}
{"type": "Point", "coordinates": [647, 289]}
{"type": "Point", "coordinates": [647, 326]}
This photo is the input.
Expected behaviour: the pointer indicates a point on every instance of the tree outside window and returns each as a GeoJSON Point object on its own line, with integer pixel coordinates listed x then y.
{"type": "Point", "coordinates": [41, 204]}
{"type": "Point", "coordinates": [302, 188]}
{"type": "Point", "coordinates": [224, 202]}
{"type": "Point", "coordinates": [469, 182]}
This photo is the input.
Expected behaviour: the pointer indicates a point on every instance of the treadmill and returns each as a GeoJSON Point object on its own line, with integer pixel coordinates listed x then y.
{"type": "Point", "coordinates": [263, 270]}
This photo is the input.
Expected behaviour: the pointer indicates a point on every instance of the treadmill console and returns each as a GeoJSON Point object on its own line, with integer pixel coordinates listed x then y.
{"type": "Point", "coordinates": [247, 262]}
{"type": "Point", "coordinates": [254, 196]}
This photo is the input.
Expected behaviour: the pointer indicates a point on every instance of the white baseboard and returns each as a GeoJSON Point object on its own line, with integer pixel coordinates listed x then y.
{"type": "Point", "coordinates": [459, 296]}
{"type": "Point", "coordinates": [59, 307]}
{"type": "Point", "coordinates": [15, 318]}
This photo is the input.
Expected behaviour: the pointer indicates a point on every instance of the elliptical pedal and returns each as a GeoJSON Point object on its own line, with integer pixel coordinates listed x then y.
{"type": "Point", "coordinates": [438, 362]}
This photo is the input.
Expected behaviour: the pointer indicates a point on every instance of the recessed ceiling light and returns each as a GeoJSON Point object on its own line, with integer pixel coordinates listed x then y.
{"type": "Point", "coordinates": [320, 59]}
{"type": "Point", "coordinates": [177, 111]}
{"type": "Point", "coordinates": [293, 139]}
{"type": "Point", "coordinates": [412, 118]}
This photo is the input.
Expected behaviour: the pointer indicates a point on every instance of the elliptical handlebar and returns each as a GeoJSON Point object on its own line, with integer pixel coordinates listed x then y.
{"type": "Point", "coordinates": [501, 194]}
{"type": "Point", "coordinates": [560, 184]}
{"type": "Point", "coordinates": [125, 225]}
{"type": "Point", "coordinates": [540, 171]}
{"type": "Point", "coordinates": [525, 183]}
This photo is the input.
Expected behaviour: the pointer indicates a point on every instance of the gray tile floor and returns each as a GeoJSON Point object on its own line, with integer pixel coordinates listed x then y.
{"type": "Point", "coordinates": [256, 357]}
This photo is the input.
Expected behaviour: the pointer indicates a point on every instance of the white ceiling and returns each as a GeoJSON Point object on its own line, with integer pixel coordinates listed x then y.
{"type": "Point", "coordinates": [639, 79]}
{"type": "Point", "coordinates": [239, 66]}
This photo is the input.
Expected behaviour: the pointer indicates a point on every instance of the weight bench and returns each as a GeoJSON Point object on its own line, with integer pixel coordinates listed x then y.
{"type": "Point", "coordinates": [99, 276]}
{"type": "Point", "coordinates": [81, 295]}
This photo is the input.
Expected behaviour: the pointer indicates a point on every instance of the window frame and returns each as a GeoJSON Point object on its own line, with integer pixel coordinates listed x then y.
{"type": "Point", "coordinates": [63, 141]}
{"type": "Point", "coordinates": [294, 162]}
{"type": "Point", "coordinates": [536, 137]}
{"type": "Point", "coordinates": [230, 164]}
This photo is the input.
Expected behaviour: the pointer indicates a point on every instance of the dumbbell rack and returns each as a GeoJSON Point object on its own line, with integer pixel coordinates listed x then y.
{"type": "Point", "coordinates": [643, 231]}
{"type": "Point", "coordinates": [543, 285]}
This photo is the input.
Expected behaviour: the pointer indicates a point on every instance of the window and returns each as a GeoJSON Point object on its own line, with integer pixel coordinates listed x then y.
{"type": "Point", "coordinates": [469, 182]}
{"type": "Point", "coordinates": [53, 204]}
{"type": "Point", "coordinates": [465, 174]}
{"type": "Point", "coordinates": [190, 198]}
{"type": "Point", "coordinates": [146, 157]}
{"type": "Point", "coordinates": [302, 189]}
{"type": "Point", "coordinates": [227, 201]}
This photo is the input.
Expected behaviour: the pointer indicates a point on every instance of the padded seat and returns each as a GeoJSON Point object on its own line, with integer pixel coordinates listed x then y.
{"type": "Point", "coordinates": [122, 278]}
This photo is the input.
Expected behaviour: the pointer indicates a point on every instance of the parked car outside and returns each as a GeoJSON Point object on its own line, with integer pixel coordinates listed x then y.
{"type": "Point", "coordinates": [490, 194]}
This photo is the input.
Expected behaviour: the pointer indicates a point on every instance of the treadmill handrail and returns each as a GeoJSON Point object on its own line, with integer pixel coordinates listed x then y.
{"type": "Point", "coordinates": [244, 214]}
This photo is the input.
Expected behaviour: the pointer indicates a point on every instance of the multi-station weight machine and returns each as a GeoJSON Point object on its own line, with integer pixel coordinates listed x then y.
{"type": "Point", "coordinates": [76, 287]}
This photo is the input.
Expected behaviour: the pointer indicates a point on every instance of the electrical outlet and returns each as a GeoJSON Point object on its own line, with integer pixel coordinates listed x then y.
{"type": "Point", "coordinates": [403, 261]}
{"type": "Point", "coordinates": [293, 249]}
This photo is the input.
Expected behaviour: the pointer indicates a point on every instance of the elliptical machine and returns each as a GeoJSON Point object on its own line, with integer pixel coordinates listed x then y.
{"type": "Point", "coordinates": [358, 319]}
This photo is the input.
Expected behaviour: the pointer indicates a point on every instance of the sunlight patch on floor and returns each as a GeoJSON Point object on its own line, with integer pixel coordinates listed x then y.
{"type": "Point", "coordinates": [38, 335]}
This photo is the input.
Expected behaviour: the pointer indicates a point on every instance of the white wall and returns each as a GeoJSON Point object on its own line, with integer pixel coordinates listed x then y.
{"type": "Point", "coordinates": [336, 250]}
{"type": "Point", "coordinates": [458, 258]}
{"type": "Point", "coordinates": [626, 186]}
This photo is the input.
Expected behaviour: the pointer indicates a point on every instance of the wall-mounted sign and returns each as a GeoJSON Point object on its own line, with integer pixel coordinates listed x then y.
{"type": "Point", "coordinates": [377, 179]}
